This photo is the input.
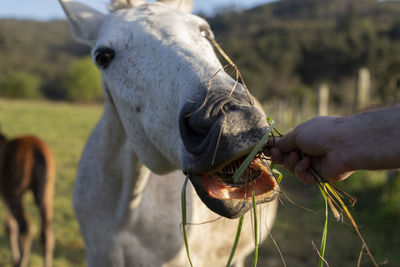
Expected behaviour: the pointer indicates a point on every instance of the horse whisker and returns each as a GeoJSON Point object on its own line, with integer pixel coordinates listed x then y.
{"type": "Point", "coordinates": [208, 91]}
{"type": "Point", "coordinates": [219, 137]}
{"type": "Point", "coordinates": [202, 223]}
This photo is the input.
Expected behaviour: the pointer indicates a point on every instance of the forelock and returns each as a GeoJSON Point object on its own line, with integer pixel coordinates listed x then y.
{"type": "Point", "coordinates": [120, 4]}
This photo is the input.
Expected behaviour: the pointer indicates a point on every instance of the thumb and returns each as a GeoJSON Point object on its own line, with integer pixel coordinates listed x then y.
{"type": "Point", "coordinates": [287, 142]}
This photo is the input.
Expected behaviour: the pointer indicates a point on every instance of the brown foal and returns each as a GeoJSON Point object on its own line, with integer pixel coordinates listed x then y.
{"type": "Point", "coordinates": [26, 163]}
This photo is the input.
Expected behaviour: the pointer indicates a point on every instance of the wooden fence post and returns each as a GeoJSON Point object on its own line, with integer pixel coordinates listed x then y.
{"type": "Point", "coordinates": [363, 88]}
{"type": "Point", "coordinates": [323, 99]}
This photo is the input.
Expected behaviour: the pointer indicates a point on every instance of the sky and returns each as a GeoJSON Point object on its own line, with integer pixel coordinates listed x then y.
{"type": "Point", "coordinates": [50, 9]}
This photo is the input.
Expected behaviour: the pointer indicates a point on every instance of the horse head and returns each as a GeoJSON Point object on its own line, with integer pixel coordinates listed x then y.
{"type": "Point", "coordinates": [177, 105]}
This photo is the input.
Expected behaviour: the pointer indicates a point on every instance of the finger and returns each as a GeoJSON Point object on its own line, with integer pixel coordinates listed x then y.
{"type": "Point", "coordinates": [287, 142]}
{"type": "Point", "coordinates": [291, 160]}
{"type": "Point", "coordinates": [339, 177]}
{"type": "Point", "coordinates": [302, 171]}
{"type": "Point", "coordinates": [271, 141]}
{"type": "Point", "coordinates": [276, 155]}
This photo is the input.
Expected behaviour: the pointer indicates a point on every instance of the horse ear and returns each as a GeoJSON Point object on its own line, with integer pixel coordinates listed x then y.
{"type": "Point", "coordinates": [183, 5]}
{"type": "Point", "coordinates": [85, 21]}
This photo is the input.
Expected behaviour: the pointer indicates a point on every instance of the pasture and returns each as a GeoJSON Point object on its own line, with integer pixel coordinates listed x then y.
{"type": "Point", "coordinates": [65, 127]}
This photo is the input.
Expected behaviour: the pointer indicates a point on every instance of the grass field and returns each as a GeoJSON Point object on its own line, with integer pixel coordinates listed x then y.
{"type": "Point", "coordinates": [65, 127]}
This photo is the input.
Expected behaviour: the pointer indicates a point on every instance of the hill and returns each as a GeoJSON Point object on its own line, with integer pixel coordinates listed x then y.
{"type": "Point", "coordinates": [289, 47]}
{"type": "Point", "coordinates": [41, 49]}
{"type": "Point", "coordinates": [283, 49]}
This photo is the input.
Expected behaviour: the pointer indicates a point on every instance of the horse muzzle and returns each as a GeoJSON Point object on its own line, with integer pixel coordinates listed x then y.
{"type": "Point", "coordinates": [218, 133]}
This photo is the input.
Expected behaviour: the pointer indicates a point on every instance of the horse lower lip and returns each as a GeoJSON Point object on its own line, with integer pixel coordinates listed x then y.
{"type": "Point", "coordinates": [223, 187]}
{"type": "Point", "coordinates": [232, 201]}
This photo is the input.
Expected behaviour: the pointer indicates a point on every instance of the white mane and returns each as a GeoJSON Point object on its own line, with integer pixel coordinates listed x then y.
{"type": "Point", "coordinates": [124, 4]}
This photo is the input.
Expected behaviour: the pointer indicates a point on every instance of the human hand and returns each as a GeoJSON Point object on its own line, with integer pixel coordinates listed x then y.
{"type": "Point", "coordinates": [319, 144]}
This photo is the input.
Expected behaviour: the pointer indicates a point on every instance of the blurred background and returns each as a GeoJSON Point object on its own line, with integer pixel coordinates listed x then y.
{"type": "Point", "coordinates": [300, 58]}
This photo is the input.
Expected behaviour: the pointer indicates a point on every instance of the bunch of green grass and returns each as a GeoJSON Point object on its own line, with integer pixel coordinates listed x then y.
{"type": "Point", "coordinates": [238, 172]}
{"type": "Point", "coordinates": [253, 153]}
{"type": "Point", "coordinates": [245, 164]}
{"type": "Point", "coordinates": [184, 221]}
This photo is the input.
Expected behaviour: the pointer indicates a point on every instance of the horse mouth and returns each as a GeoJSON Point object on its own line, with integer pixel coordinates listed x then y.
{"type": "Point", "coordinates": [232, 199]}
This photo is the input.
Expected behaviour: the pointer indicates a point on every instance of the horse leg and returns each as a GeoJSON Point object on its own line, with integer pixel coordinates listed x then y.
{"type": "Point", "coordinates": [24, 228]}
{"type": "Point", "coordinates": [45, 205]}
{"type": "Point", "coordinates": [12, 229]}
{"type": "Point", "coordinates": [46, 234]}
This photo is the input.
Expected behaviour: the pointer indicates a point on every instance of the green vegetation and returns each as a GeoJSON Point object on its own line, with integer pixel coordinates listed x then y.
{"type": "Point", "coordinates": [65, 128]}
{"type": "Point", "coordinates": [82, 82]}
{"type": "Point", "coordinates": [20, 85]}
{"type": "Point", "coordinates": [44, 50]}
{"type": "Point", "coordinates": [287, 48]}
{"type": "Point", "coordinates": [282, 49]}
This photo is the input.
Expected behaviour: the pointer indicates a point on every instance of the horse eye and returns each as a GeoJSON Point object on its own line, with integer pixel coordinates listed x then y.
{"type": "Point", "coordinates": [104, 56]}
{"type": "Point", "coordinates": [205, 33]}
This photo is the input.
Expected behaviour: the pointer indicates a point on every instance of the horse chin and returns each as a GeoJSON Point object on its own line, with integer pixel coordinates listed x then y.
{"type": "Point", "coordinates": [232, 199]}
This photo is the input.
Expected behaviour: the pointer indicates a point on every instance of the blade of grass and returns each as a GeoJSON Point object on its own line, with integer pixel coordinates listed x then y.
{"type": "Point", "coordinates": [335, 212]}
{"type": "Point", "coordinates": [252, 154]}
{"type": "Point", "coordinates": [234, 66]}
{"type": "Point", "coordinates": [255, 259]}
{"type": "Point", "coordinates": [360, 256]}
{"type": "Point", "coordinates": [277, 248]}
{"type": "Point", "coordinates": [325, 231]}
{"type": "Point", "coordinates": [235, 243]}
{"type": "Point", "coordinates": [350, 217]}
{"type": "Point", "coordinates": [331, 201]}
{"type": "Point", "coordinates": [280, 176]}
{"type": "Point", "coordinates": [346, 211]}
{"type": "Point", "coordinates": [316, 249]}
{"type": "Point", "coordinates": [184, 222]}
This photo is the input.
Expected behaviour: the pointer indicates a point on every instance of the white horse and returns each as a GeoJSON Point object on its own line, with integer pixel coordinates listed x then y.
{"type": "Point", "coordinates": [169, 106]}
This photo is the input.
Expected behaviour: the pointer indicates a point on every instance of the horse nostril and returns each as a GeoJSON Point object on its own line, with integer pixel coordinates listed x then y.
{"type": "Point", "coordinates": [194, 126]}
{"type": "Point", "coordinates": [197, 128]}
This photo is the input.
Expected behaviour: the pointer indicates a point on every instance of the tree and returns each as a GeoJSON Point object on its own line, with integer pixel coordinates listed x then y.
{"type": "Point", "coordinates": [20, 85]}
{"type": "Point", "coordinates": [82, 82]}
